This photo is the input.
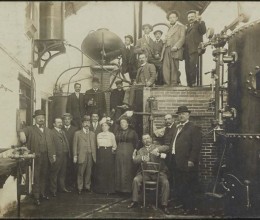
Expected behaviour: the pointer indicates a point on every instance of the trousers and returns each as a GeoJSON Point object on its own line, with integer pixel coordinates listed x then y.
{"type": "Point", "coordinates": [191, 68]}
{"type": "Point", "coordinates": [84, 172]}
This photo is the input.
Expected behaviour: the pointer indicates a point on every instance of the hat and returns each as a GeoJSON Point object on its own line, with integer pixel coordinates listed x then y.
{"type": "Point", "coordinates": [130, 37]}
{"type": "Point", "coordinates": [67, 115]}
{"type": "Point", "coordinates": [191, 11]}
{"type": "Point", "coordinates": [182, 109]}
{"type": "Point", "coordinates": [95, 79]}
{"type": "Point", "coordinates": [148, 25]}
{"type": "Point", "coordinates": [118, 82]}
{"type": "Point", "coordinates": [172, 12]}
{"type": "Point", "coordinates": [105, 120]}
{"type": "Point", "coordinates": [38, 112]}
{"type": "Point", "coordinates": [157, 31]}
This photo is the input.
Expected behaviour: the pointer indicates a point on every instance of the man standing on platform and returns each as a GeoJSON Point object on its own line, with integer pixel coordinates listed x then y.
{"type": "Point", "coordinates": [95, 99]}
{"type": "Point", "coordinates": [146, 44]}
{"type": "Point", "coordinates": [185, 150]}
{"type": "Point", "coordinates": [158, 47]}
{"type": "Point", "coordinates": [116, 99]}
{"type": "Point", "coordinates": [59, 168]}
{"type": "Point", "coordinates": [173, 49]}
{"type": "Point", "coordinates": [69, 132]}
{"type": "Point", "coordinates": [95, 126]}
{"type": "Point", "coordinates": [194, 36]}
{"type": "Point", "coordinates": [39, 141]}
{"type": "Point", "coordinates": [75, 105]}
{"type": "Point", "coordinates": [84, 154]}
{"type": "Point", "coordinates": [129, 61]}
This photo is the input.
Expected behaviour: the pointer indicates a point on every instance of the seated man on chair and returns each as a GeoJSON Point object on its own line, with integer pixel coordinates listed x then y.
{"type": "Point", "coordinates": [151, 153]}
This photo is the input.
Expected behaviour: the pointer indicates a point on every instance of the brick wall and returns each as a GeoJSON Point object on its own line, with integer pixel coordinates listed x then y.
{"type": "Point", "coordinates": [197, 100]}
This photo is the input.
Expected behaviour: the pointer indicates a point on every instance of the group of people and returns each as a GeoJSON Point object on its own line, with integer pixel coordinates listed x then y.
{"type": "Point", "coordinates": [163, 55]}
{"type": "Point", "coordinates": [102, 158]}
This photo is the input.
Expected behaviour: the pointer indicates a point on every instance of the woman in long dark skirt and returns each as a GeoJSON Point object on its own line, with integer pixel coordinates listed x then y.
{"type": "Point", "coordinates": [104, 181]}
{"type": "Point", "coordinates": [127, 141]}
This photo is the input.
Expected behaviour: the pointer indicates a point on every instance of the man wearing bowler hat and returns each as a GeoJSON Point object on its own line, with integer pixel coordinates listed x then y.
{"type": "Point", "coordinates": [173, 49]}
{"type": "Point", "coordinates": [39, 141]}
{"type": "Point", "coordinates": [129, 61]}
{"type": "Point", "coordinates": [196, 28]}
{"type": "Point", "coordinates": [146, 44]}
{"type": "Point", "coordinates": [158, 47]}
{"type": "Point", "coordinates": [185, 150]}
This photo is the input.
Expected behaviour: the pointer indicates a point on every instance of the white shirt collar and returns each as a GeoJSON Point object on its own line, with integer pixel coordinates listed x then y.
{"type": "Point", "coordinates": [67, 127]}
{"type": "Point", "coordinates": [184, 123]}
{"type": "Point", "coordinates": [85, 131]}
{"type": "Point", "coordinates": [57, 129]}
{"type": "Point", "coordinates": [143, 64]}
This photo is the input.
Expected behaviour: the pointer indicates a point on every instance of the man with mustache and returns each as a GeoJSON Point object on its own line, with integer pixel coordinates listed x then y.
{"type": "Point", "coordinates": [39, 141]}
{"type": "Point", "coordinates": [194, 36]}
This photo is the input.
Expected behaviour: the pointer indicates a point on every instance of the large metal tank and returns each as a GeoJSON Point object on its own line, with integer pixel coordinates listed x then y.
{"type": "Point", "coordinates": [246, 100]}
{"type": "Point", "coordinates": [94, 42]}
{"type": "Point", "coordinates": [51, 21]}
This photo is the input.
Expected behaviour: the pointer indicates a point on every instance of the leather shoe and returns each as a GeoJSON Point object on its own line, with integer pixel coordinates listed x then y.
{"type": "Point", "coordinates": [45, 197]}
{"type": "Point", "coordinates": [132, 205]}
{"type": "Point", "coordinates": [165, 210]}
{"type": "Point", "coordinates": [65, 190]}
{"type": "Point", "coordinates": [178, 205]}
{"type": "Point", "coordinates": [87, 190]}
{"type": "Point", "coordinates": [37, 202]}
{"type": "Point", "coordinates": [54, 194]}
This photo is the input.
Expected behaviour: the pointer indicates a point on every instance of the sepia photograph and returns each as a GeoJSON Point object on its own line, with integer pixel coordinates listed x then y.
{"type": "Point", "coordinates": [130, 109]}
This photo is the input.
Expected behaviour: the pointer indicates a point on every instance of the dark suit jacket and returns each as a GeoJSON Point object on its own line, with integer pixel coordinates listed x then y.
{"type": "Point", "coordinates": [33, 135]}
{"type": "Point", "coordinates": [75, 106]}
{"type": "Point", "coordinates": [142, 45]}
{"type": "Point", "coordinates": [147, 72]}
{"type": "Point", "coordinates": [187, 146]}
{"type": "Point", "coordinates": [116, 98]}
{"type": "Point", "coordinates": [98, 129]}
{"type": "Point", "coordinates": [60, 141]}
{"type": "Point", "coordinates": [80, 142]}
{"type": "Point", "coordinates": [70, 135]}
{"type": "Point", "coordinates": [194, 35]}
{"type": "Point", "coordinates": [99, 102]}
{"type": "Point", "coordinates": [158, 46]}
{"type": "Point", "coordinates": [129, 61]}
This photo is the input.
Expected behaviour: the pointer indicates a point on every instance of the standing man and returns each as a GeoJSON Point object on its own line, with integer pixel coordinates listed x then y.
{"type": "Point", "coordinates": [59, 168]}
{"type": "Point", "coordinates": [70, 130]}
{"type": "Point", "coordinates": [84, 153]}
{"type": "Point", "coordinates": [158, 47]}
{"type": "Point", "coordinates": [129, 61]}
{"type": "Point", "coordinates": [39, 141]}
{"type": "Point", "coordinates": [146, 44]}
{"type": "Point", "coordinates": [95, 99]}
{"type": "Point", "coordinates": [95, 126]}
{"type": "Point", "coordinates": [194, 36]}
{"type": "Point", "coordinates": [185, 149]}
{"type": "Point", "coordinates": [151, 153]}
{"type": "Point", "coordinates": [173, 49]}
{"type": "Point", "coordinates": [75, 105]}
{"type": "Point", "coordinates": [116, 99]}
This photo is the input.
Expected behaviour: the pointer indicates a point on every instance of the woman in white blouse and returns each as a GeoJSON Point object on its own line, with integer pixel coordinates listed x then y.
{"type": "Point", "coordinates": [104, 178]}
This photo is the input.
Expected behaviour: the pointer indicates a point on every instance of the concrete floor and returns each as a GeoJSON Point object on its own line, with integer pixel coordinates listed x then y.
{"type": "Point", "coordinates": [91, 205]}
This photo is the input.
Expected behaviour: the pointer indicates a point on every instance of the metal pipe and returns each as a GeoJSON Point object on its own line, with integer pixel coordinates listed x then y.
{"type": "Point", "coordinates": [140, 19]}
{"type": "Point", "coordinates": [135, 25]}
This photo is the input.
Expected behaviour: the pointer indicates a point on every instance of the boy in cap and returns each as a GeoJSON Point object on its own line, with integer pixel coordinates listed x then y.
{"type": "Point", "coordinates": [129, 61]}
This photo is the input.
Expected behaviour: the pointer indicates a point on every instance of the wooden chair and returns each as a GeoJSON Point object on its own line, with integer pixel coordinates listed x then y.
{"type": "Point", "coordinates": [151, 169]}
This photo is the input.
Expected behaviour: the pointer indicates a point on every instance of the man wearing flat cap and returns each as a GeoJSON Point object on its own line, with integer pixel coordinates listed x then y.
{"type": "Point", "coordinates": [185, 150]}
{"type": "Point", "coordinates": [95, 99]}
{"type": "Point", "coordinates": [194, 36]}
{"type": "Point", "coordinates": [39, 141]}
{"type": "Point", "coordinates": [173, 49]}
{"type": "Point", "coordinates": [129, 61]}
{"type": "Point", "coordinates": [146, 44]}
{"type": "Point", "coordinates": [158, 47]}
{"type": "Point", "coordinates": [116, 99]}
